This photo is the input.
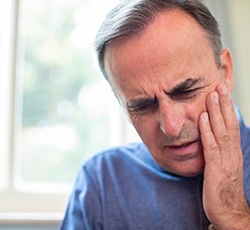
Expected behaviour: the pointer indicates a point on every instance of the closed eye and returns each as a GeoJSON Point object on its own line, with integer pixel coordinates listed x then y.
{"type": "Point", "coordinates": [142, 105]}
{"type": "Point", "coordinates": [186, 89]}
{"type": "Point", "coordinates": [185, 94]}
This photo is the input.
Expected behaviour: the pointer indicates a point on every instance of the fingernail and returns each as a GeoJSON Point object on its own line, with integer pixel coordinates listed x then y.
{"type": "Point", "coordinates": [215, 97]}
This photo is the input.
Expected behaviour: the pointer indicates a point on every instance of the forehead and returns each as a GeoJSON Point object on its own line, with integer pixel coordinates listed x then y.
{"type": "Point", "coordinates": [172, 40]}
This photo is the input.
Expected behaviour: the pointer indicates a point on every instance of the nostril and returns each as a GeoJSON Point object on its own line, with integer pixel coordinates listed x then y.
{"type": "Point", "coordinates": [171, 120]}
{"type": "Point", "coordinates": [171, 127]}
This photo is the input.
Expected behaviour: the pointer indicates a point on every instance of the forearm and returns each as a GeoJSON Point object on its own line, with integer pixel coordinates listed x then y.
{"type": "Point", "coordinates": [236, 220]}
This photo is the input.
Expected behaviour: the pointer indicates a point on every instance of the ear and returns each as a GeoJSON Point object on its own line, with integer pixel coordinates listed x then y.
{"type": "Point", "coordinates": [227, 68]}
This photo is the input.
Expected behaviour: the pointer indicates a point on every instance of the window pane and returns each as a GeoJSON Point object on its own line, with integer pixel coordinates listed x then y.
{"type": "Point", "coordinates": [5, 79]}
{"type": "Point", "coordinates": [64, 104]}
{"type": "Point", "coordinates": [1, 98]}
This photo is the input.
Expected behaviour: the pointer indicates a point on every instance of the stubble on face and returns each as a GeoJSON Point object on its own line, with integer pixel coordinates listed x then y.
{"type": "Point", "coordinates": [152, 69]}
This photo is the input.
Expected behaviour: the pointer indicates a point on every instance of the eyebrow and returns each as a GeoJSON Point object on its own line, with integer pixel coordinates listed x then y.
{"type": "Point", "coordinates": [140, 102]}
{"type": "Point", "coordinates": [183, 86]}
{"type": "Point", "coordinates": [178, 89]}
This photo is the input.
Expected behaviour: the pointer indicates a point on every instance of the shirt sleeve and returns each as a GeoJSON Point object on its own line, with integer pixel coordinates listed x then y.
{"type": "Point", "coordinates": [84, 207]}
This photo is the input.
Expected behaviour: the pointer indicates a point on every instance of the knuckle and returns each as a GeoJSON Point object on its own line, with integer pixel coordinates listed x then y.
{"type": "Point", "coordinates": [214, 147]}
{"type": "Point", "coordinates": [225, 138]}
{"type": "Point", "coordinates": [235, 127]}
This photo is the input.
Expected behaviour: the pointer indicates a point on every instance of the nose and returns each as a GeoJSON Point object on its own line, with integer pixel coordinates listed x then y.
{"type": "Point", "coordinates": [171, 119]}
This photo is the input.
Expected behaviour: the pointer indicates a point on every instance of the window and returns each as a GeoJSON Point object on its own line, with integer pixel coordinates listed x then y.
{"type": "Point", "coordinates": [63, 109]}
{"type": "Point", "coordinates": [6, 52]}
{"type": "Point", "coordinates": [63, 102]}
{"type": "Point", "coordinates": [56, 110]}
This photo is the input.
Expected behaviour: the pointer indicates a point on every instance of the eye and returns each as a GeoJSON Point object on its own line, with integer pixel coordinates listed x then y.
{"type": "Point", "coordinates": [143, 106]}
{"type": "Point", "coordinates": [186, 94]}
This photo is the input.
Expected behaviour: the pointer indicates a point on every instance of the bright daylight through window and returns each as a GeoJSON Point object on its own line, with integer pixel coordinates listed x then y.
{"type": "Point", "coordinates": [62, 115]}
{"type": "Point", "coordinates": [63, 107]}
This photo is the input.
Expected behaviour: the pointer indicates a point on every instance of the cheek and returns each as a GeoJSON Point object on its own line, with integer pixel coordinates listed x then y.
{"type": "Point", "coordinates": [196, 107]}
{"type": "Point", "coordinates": [146, 126]}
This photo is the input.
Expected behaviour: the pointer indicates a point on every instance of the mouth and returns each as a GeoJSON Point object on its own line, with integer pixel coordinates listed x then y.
{"type": "Point", "coordinates": [187, 149]}
{"type": "Point", "coordinates": [182, 145]}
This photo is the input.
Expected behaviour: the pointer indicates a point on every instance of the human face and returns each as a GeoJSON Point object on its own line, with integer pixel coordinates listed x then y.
{"type": "Point", "coordinates": [162, 78]}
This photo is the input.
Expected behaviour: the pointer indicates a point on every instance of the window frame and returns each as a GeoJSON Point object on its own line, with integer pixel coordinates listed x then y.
{"type": "Point", "coordinates": [14, 204]}
{"type": "Point", "coordinates": [17, 202]}
{"type": "Point", "coordinates": [6, 81]}
{"type": "Point", "coordinates": [12, 200]}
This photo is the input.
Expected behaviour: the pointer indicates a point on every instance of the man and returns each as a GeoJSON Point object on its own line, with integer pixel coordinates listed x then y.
{"type": "Point", "coordinates": [166, 66]}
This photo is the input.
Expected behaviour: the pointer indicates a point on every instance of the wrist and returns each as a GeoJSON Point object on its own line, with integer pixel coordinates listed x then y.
{"type": "Point", "coordinates": [237, 219]}
{"type": "Point", "coordinates": [242, 223]}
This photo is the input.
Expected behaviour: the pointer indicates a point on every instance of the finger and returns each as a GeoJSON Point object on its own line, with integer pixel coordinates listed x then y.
{"type": "Point", "coordinates": [216, 119]}
{"type": "Point", "coordinates": [210, 146]}
{"type": "Point", "coordinates": [232, 126]}
{"type": "Point", "coordinates": [228, 112]}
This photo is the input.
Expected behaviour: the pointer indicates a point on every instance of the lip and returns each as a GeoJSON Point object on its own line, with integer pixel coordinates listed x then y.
{"type": "Point", "coordinates": [189, 149]}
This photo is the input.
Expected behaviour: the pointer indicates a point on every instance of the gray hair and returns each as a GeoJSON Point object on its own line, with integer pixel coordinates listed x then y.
{"type": "Point", "coordinates": [131, 17]}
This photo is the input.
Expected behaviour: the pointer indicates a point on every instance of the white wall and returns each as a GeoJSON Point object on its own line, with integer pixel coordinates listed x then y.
{"type": "Point", "coordinates": [239, 19]}
{"type": "Point", "coordinates": [233, 17]}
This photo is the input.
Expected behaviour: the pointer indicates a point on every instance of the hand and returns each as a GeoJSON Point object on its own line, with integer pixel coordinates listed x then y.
{"type": "Point", "coordinates": [223, 190]}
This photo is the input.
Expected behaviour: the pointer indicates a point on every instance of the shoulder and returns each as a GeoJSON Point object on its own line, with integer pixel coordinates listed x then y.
{"type": "Point", "coordinates": [120, 154]}
{"type": "Point", "coordinates": [245, 145]}
{"type": "Point", "coordinates": [120, 151]}
{"type": "Point", "coordinates": [244, 134]}
{"type": "Point", "coordinates": [115, 158]}
{"type": "Point", "coordinates": [110, 167]}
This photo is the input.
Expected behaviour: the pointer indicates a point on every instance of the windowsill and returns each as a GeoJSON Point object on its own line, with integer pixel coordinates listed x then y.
{"type": "Point", "coordinates": [22, 218]}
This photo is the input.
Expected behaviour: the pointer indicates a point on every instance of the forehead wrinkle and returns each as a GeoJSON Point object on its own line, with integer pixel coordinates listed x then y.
{"type": "Point", "coordinates": [185, 84]}
{"type": "Point", "coordinates": [140, 57]}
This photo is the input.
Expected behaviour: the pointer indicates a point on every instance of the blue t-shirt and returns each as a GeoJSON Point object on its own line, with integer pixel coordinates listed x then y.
{"type": "Point", "coordinates": [124, 189]}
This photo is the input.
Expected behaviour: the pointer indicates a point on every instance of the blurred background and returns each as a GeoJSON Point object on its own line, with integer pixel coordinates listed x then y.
{"type": "Point", "coordinates": [56, 109]}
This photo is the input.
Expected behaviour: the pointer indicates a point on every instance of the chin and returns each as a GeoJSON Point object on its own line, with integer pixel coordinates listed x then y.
{"type": "Point", "coordinates": [191, 173]}
{"type": "Point", "coordinates": [187, 169]}
{"type": "Point", "coordinates": [188, 173]}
